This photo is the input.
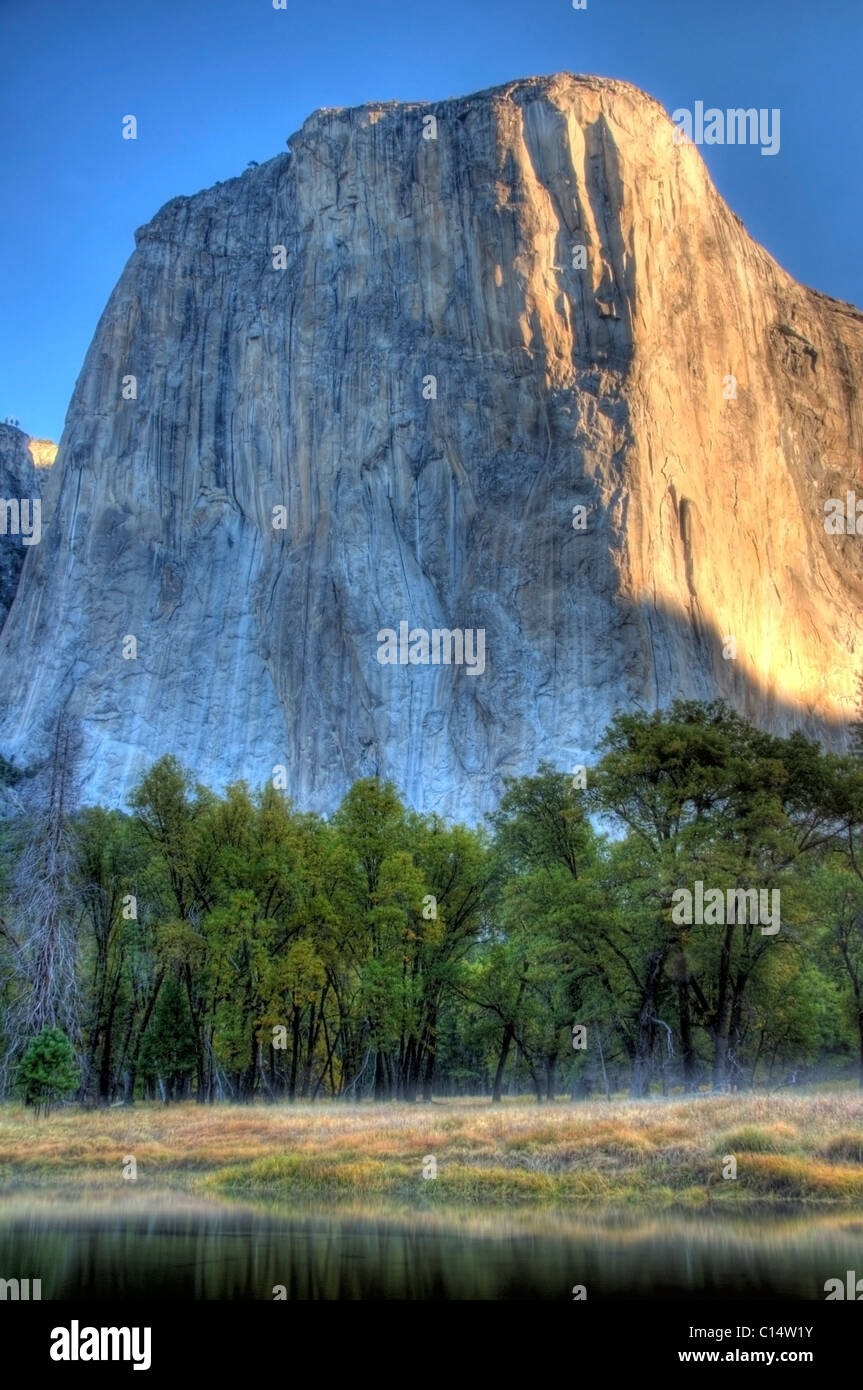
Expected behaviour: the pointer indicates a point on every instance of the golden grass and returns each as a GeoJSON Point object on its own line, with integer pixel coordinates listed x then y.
{"type": "Point", "coordinates": [805, 1149]}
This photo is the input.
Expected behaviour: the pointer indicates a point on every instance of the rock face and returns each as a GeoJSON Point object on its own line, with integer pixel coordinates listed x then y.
{"type": "Point", "coordinates": [18, 484]}
{"type": "Point", "coordinates": [43, 452]}
{"type": "Point", "coordinates": [427, 378]}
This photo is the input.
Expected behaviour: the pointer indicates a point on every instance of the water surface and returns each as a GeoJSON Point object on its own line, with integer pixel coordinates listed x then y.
{"type": "Point", "coordinates": [180, 1249]}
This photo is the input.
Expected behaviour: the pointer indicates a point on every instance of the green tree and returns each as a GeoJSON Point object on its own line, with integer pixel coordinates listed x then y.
{"type": "Point", "coordinates": [168, 1050]}
{"type": "Point", "coordinates": [546, 949]}
{"type": "Point", "coordinates": [48, 1070]}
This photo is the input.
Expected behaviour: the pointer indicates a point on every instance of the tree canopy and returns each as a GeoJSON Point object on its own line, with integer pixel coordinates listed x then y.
{"type": "Point", "coordinates": [235, 946]}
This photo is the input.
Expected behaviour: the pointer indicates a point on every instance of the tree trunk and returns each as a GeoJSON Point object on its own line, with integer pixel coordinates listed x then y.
{"type": "Point", "coordinates": [506, 1044]}
{"type": "Point", "coordinates": [429, 1066]}
{"type": "Point", "coordinates": [311, 1040]}
{"type": "Point", "coordinates": [687, 1049]}
{"type": "Point", "coordinates": [646, 1028]}
{"type": "Point", "coordinates": [380, 1077]}
{"type": "Point", "coordinates": [295, 1053]}
{"type": "Point", "coordinates": [131, 1074]}
{"type": "Point", "coordinates": [722, 1027]}
{"type": "Point", "coordinates": [408, 1071]}
{"type": "Point", "coordinates": [550, 1076]}
{"type": "Point", "coordinates": [105, 1061]}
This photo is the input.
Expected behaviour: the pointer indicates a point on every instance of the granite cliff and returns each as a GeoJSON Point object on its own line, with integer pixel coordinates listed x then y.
{"type": "Point", "coordinates": [20, 488]}
{"type": "Point", "coordinates": [367, 383]}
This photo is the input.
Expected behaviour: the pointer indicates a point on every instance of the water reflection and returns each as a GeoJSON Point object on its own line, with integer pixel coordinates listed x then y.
{"type": "Point", "coordinates": [181, 1250]}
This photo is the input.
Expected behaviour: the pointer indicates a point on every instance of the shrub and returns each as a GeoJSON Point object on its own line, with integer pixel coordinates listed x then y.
{"type": "Point", "coordinates": [757, 1139]}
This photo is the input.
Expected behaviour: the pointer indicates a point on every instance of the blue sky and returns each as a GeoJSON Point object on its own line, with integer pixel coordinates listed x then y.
{"type": "Point", "coordinates": [215, 83]}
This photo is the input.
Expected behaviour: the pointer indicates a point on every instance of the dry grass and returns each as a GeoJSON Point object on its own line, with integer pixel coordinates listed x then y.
{"type": "Point", "coordinates": [801, 1149]}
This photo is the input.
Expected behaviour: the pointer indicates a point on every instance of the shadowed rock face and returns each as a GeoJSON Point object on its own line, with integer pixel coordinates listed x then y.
{"type": "Point", "coordinates": [557, 384]}
{"type": "Point", "coordinates": [18, 483]}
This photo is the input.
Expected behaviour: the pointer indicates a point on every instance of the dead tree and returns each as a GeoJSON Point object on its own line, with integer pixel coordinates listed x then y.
{"type": "Point", "coordinates": [42, 918]}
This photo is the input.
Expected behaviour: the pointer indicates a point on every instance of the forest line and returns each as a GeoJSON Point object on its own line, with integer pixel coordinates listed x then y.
{"type": "Point", "coordinates": [228, 947]}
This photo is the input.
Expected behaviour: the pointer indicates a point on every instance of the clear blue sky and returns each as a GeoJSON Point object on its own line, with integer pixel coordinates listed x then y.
{"type": "Point", "coordinates": [215, 83]}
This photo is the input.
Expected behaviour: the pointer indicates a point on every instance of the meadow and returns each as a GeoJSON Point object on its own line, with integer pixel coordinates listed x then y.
{"type": "Point", "coordinates": [802, 1151]}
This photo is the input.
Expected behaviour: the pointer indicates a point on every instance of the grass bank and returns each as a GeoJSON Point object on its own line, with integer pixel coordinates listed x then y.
{"type": "Point", "coordinates": [805, 1149]}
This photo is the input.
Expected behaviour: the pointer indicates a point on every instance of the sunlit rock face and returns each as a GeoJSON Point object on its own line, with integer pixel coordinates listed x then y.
{"type": "Point", "coordinates": [20, 523]}
{"type": "Point", "coordinates": [43, 452]}
{"type": "Point", "coordinates": [426, 380]}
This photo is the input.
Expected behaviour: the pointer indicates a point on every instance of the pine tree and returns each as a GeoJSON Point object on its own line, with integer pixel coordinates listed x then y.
{"type": "Point", "coordinates": [48, 1070]}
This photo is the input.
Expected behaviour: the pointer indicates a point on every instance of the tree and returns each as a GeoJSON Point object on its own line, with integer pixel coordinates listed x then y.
{"type": "Point", "coordinates": [168, 1049]}
{"type": "Point", "coordinates": [48, 1070]}
{"type": "Point", "coordinates": [704, 795]}
{"type": "Point", "coordinates": [41, 909]}
{"type": "Point", "coordinates": [110, 854]}
{"type": "Point", "coordinates": [546, 852]}
{"type": "Point", "coordinates": [857, 721]}
{"type": "Point", "coordinates": [234, 946]}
